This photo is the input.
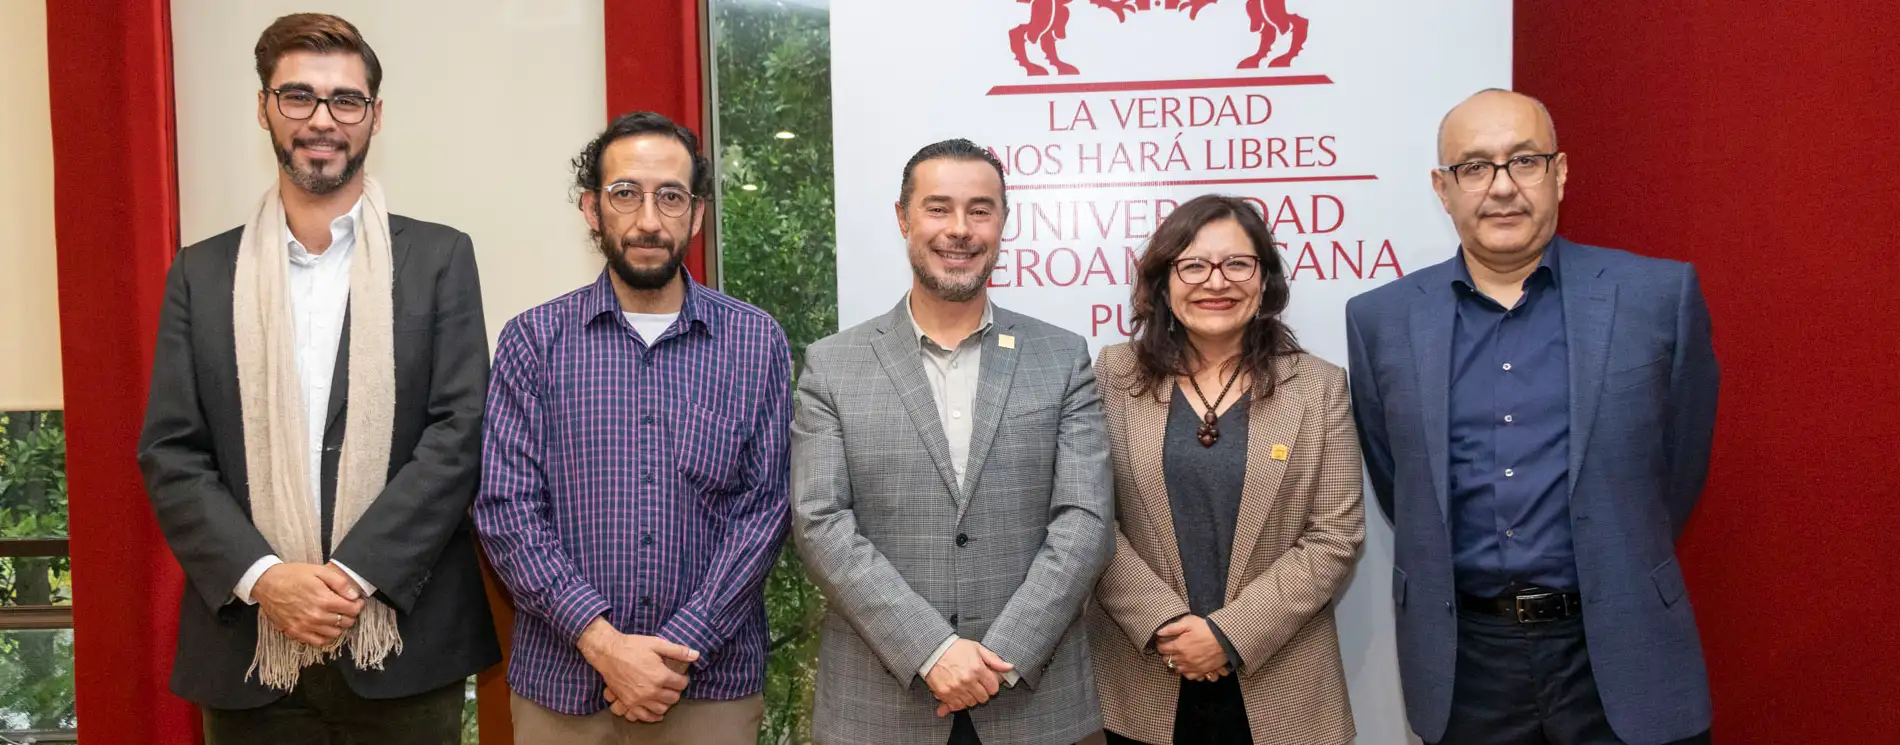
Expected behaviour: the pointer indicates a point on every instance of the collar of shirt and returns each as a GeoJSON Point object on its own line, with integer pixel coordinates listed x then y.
{"type": "Point", "coordinates": [1546, 267]}
{"type": "Point", "coordinates": [601, 302]}
{"type": "Point", "coordinates": [923, 339]}
{"type": "Point", "coordinates": [342, 237]}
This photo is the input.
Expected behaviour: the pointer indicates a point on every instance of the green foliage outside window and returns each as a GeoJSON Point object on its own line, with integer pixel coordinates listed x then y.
{"type": "Point", "coordinates": [36, 667]}
{"type": "Point", "coordinates": [778, 242]}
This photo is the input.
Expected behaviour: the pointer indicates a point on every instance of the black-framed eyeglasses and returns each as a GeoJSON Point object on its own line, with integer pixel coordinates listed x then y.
{"type": "Point", "coordinates": [626, 198]}
{"type": "Point", "coordinates": [1233, 268]}
{"type": "Point", "coordinates": [345, 108]}
{"type": "Point", "coordinates": [1477, 175]}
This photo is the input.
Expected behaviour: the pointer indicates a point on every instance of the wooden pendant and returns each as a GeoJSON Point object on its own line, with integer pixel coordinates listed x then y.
{"type": "Point", "coordinates": [1209, 431]}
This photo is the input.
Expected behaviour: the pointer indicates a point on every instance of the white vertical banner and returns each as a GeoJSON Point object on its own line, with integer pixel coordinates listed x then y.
{"type": "Point", "coordinates": [1109, 113]}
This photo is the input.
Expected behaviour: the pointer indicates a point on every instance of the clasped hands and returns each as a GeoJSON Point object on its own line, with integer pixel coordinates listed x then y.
{"type": "Point", "coordinates": [311, 603]}
{"type": "Point", "coordinates": [1189, 644]}
{"type": "Point", "coordinates": [967, 675]}
{"type": "Point", "coordinates": [645, 674]}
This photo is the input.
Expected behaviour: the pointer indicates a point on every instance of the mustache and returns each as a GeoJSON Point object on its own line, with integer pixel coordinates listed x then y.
{"type": "Point", "coordinates": [646, 240]}
{"type": "Point", "coordinates": [316, 141]}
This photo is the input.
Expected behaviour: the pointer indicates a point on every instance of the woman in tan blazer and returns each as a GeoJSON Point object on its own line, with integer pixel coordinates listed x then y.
{"type": "Point", "coordinates": [1214, 623]}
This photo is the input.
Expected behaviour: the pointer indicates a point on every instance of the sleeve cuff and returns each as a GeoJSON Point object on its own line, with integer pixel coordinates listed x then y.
{"type": "Point", "coordinates": [1233, 657]}
{"type": "Point", "coordinates": [575, 609]}
{"type": "Point", "coordinates": [937, 655]}
{"type": "Point", "coordinates": [249, 580]}
{"type": "Point", "coordinates": [362, 584]}
{"type": "Point", "coordinates": [686, 629]}
{"type": "Point", "coordinates": [1154, 637]}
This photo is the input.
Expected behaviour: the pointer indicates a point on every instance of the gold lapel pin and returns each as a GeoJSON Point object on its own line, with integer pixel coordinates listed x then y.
{"type": "Point", "coordinates": [1279, 452]}
{"type": "Point", "coordinates": [1006, 341]}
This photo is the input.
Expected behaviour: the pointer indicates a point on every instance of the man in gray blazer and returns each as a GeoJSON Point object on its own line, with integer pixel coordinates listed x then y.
{"type": "Point", "coordinates": [951, 494]}
{"type": "Point", "coordinates": [1536, 416]}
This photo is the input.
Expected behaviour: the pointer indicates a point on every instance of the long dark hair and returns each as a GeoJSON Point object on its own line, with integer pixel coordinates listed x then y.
{"type": "Point", "coordinates": [1162, 348]}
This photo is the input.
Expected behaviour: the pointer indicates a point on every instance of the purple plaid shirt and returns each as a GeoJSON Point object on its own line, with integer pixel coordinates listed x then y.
{"type": "Point", "coordinates": [641, 482]}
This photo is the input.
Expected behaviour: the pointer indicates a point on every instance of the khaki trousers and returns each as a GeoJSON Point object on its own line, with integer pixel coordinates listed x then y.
{"type": "Point", "coordinates": [689, 722]}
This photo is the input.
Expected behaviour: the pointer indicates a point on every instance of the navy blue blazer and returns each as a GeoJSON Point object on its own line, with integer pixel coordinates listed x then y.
{"type": "Point", "coordinates": [1643, 382]}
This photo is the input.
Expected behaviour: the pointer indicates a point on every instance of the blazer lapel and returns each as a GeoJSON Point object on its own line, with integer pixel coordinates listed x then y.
{"type": "Point", "coordinates": [1271, 421]}
{"type": "Point", "coordinates": [1147, 424]}
{"type": "Point", "coordinates": [1589, 307]}
{"type": "Point", "coordinates": [1431, 319]}
{"type": "Point", "coordinates": [339, 378]}
{"type": "Point", "coordinates": [897, 352]}
{"type": "Point", "coordinates": [998, 371]}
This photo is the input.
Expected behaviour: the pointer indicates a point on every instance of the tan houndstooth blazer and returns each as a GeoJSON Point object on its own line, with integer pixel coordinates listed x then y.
{"type": "Point", "coordinates": [1301, 523]}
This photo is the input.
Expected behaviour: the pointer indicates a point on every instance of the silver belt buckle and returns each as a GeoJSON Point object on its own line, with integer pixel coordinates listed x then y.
{"type": "Point", "coordinates": [1523, 613]}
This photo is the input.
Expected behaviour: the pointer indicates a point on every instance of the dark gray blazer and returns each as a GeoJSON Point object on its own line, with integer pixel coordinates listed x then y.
{"type": "Point", "coordinates": [1643, 381]}
{"type": "Point", "coordinates": [415, 543]}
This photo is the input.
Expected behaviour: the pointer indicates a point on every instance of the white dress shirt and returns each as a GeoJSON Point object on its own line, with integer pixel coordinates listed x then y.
{"type": "Point", "coordinates": [319, 298]}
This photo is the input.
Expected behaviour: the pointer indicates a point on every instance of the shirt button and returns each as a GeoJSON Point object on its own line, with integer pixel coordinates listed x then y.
{"type": "Point", "coordinates": [962, 539]}
{"type": "Point", "coordinates": [1510, 534]}
{"type": "Point", "coordinates": [956, 414]}
{"type": "Point", "coordinates": [646, 599]}
{"type": "Point", "coordinates": [953, 619]}
{"type": "Point", "coordinates": [648, 477]}
{"type": "Point", "coordinates": [648, 419]}
{"type": "Point", "coordinates": [1509, 473]}
{"type": "Point", "coordinates": [1507, 419]}
{"type": "Point", "coordinates": [1507, 367]}
{"type": "Point", "coordinates": [646, 540]}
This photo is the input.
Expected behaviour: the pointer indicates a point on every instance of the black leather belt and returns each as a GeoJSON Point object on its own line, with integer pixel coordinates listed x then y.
{"type": "Point", "coordinates": [1530, 606]}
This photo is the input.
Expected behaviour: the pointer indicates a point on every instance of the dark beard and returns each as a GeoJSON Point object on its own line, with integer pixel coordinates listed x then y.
{"type": "Point", "coordinates": [315, 183]}
{"type": "Point", "coordinates": [639, 278]}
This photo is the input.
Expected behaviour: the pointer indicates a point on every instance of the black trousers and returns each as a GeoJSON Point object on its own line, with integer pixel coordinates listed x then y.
{"type": "Point", "coordinates": [324, 711]}
{"type": "Point", "coordinates": [1205, 714]}
{"type": "Point", "coordinates": [1527, 684]}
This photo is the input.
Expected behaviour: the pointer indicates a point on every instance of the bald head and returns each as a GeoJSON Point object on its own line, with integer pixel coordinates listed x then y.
{"type": "Point", "coordinates": [1506, 214]}
{"type": "Point", "coordinates": [1490, 111]}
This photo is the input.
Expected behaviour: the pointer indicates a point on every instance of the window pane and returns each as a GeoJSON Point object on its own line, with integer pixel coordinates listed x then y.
{"type": "Point", "coordinates": [33, 571]}
{"type": "Point", "coordinates": [36, 686]}
{"type": "Point", "coordinates": [777, 250]}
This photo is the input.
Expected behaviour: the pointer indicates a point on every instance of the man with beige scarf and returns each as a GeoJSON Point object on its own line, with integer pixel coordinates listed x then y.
{"type": "Point", "coordinates": [313, 432]}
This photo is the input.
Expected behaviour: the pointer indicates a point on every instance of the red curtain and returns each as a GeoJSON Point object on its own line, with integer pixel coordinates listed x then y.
{"type": "Point", "coordinates": [1756, 140]}
{"type": "Point", "coordinates": [116, 217]}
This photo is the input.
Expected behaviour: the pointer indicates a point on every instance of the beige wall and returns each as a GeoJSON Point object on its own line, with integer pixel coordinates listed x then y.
{"type": "Point", "coordinates": [29, 299]}
{"type": "Point", "coordinates": [485, 103]}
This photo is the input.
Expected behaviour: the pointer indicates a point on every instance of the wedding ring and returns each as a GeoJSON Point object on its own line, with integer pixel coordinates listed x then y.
{"type": "Point", "coordinates": [1169, 661]}
{"type": "Point", "coordinates": [339, 620]}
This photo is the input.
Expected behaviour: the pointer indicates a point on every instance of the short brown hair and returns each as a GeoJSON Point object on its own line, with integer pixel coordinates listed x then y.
{"type": "Point", "coordinates": [314, 32]}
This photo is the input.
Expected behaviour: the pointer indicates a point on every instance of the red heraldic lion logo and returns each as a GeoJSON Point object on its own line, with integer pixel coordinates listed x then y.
{"type": "Point", "coordinates": [1049, 23]}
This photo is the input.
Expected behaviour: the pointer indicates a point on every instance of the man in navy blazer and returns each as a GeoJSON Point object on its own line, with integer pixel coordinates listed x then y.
{"type": "Point", "coordinates": [1536, 417]}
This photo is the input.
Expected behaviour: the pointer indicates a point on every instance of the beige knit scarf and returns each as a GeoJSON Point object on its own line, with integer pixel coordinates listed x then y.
{"type": "Point", "coordinates": [276, 440]}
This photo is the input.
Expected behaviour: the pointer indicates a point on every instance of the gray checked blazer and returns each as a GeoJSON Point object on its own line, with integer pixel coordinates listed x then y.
{"type": "Point", "coordinates": [906, 556]}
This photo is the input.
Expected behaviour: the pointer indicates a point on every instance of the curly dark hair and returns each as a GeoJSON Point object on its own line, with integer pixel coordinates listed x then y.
{"type": "Point", "coordinates": [1162, 348]}
{"type": "Point", "coordinates": [633, 124]}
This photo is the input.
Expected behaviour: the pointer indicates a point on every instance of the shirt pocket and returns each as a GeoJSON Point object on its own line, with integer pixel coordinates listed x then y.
{"type": "Point", "coordinates": [710, 449]}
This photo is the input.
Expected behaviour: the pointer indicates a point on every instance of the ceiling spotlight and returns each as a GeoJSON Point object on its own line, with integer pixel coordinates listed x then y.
{"type": "Point", "coordinates": [750, 187]}
{"type": "Point", "coordinates": [785, 135]}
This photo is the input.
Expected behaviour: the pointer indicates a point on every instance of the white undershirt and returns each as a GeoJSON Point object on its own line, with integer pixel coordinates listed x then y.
{"type": "Point", "coordinates": [650, 325]}
{"type": "Point", "coordinates": [319, 298]}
